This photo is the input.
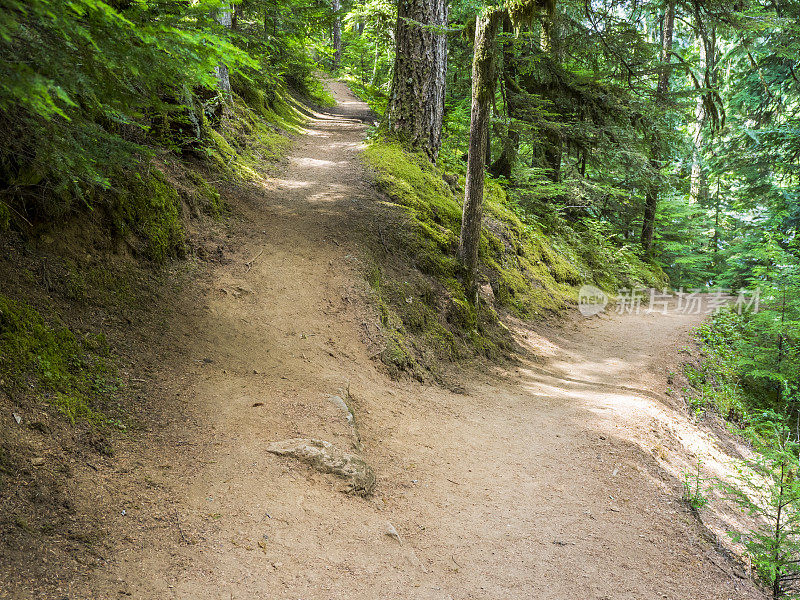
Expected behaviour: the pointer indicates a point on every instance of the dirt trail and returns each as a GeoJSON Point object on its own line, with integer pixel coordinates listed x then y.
{"type": "Point", "coordinates": [557, 480]}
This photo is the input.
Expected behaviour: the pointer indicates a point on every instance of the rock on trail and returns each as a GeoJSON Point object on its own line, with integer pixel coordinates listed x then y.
{"type": "Point", "coordinates": [327, 458]}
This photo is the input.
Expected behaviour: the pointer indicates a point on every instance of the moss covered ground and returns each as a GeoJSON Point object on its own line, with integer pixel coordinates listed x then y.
{"type": "Point", "coordinates": [72, 373]}
{"type": "Point", "coordinates": [531, 272]}
{"type": "Point", "coordinates": [146, 204]}
{"type": "Point", "coordinates": [254, 135]}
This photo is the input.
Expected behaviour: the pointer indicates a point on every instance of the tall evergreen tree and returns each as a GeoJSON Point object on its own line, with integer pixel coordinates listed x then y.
{"type": "Point", "coordinates": [483, 84]}
{"type": "Point", "coordinates": [416, 104]}
{"type": "Point", "coordinates": [656, 152]}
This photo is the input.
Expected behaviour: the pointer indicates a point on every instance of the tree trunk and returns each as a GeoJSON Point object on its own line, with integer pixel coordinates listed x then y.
{"type": "Point", "coordinates": [194, 113]}
{"type": "Point", "coordinates": [553, 150]}
{"type": "Point", "coordinates": [375, 63]}
{"type": "Point", "coordinates": [483, 79]}
{"type": "Point", "coordinates": [699, 180]}
{"type": "Point", "coordinates": [550, 30]}
{"type": "Point", "coordinates": [649, 218]}
{"type": "Point", "coordinates": [651, 196]}
{"type": "Point", "coordinates": [551, 44]}
{"type": "Point", "coordinates": [504, 165]}
{"type": "Point", "coordinates": [416, 104]}
{"type": "Point", "coordinates": [238, 10]}
{"type": "Point", "coordinates": [337, 34]}
{"type": "Point", "coordinates": [223, 16]}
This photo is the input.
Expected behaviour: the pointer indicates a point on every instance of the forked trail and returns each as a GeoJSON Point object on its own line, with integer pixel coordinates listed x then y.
{"type": "Point", "coordinates": [559, 479]}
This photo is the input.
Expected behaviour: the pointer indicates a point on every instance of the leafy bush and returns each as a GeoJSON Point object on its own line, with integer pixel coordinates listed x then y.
{"type": "Point", "coordinates": [768, 488]}
{"type": "Point", "coordinates": [83, 83]}
{"type": "Point", "coordinates": [752, 358]}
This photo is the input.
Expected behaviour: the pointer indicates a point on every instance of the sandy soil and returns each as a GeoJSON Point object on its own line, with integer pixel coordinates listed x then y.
{"type": "Point", "coordinates": [558, 478]}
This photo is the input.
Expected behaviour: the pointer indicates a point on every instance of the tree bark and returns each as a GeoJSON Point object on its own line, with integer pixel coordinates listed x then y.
{"type": "Point", "coordinates": [504, 165]}
{"type": "Point", "coordinates": [223, 16]}
{"type": "Point", "coordinates": [550, 30]}
{"type": "Point", "coordinates": [375, 63]}
{"type": "Point", "coordinates": [483, 80]}
{"type": "Point", "coordinates": [337, 34]}
{"type": "Point", "coordinates": [238, 9]}
{"type": "Point", "coordinates": [416, 103]}
{"type": "Point", "coordinates": [699, 179]}
{"type": "Point", "coordinates": [551, 44]}
{"type": "Point", "coordinates": [650, 208]}
{"type": "Point", "coordinates": [553, 151]}
{"type": "Point", "coordinates": [651, 196]}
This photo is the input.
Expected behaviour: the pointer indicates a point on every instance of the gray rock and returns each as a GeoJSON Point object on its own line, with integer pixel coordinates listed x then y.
{"type": "Point", "coordinates": [327, 458]}
{"type": "Point", "coordinates": [341, 404]}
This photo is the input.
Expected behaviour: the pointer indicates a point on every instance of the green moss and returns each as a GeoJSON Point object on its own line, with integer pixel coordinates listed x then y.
{"type": "Point", "coordinates": [397, 353]}
{"type": "Point", "coordinates": [72, 373]}
{"type": "Point", "coordinates": [318, 94]}
{"type": "Point", "coordinates": [527, 274]}
{"type": "Point", "coordinates": [148, 205]}
{"type": "Point", "coordinates": [121, 287]}
{"type": "Point", "coordinates": [206, 196]}
{"type": "Point", "coordinates": [414, 183]}
{"type": "Point", "coordinates": [532, 271]}
{"type": "Point", "coordinates": [255, 136]}
{"type": "Point", "coordinates": [416, 334]}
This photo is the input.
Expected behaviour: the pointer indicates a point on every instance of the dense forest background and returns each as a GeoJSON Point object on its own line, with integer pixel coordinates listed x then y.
{"type": "Point", "coordinates": [668, 128]}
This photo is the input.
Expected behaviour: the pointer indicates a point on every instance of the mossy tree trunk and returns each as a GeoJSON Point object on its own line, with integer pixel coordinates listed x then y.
{"type": "Point", "coordinates": [223, 15]}
{"type": "Point", "coordinates": [505, 164]}
{"type": "Point", "coordinates": [238, 10]}
{"type": "Point", "coordinates": [699, 179]}
{"type": "Point", "coordinates": [551, 44]}
{"type": "Point", "coordinates": [483, 80]}
{"type": "Point", "coordinates": [651, 195]}
{"type": "Point", "coordinates": [416, 104]}
{"type": "Point", "coordinates": [337, 34]}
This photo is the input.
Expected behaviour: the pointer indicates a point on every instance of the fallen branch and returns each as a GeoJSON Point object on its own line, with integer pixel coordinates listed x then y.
{"type": "Point", "coordinates": [249, 263]}
{"type": "Point", "coordinates": [180, 529]}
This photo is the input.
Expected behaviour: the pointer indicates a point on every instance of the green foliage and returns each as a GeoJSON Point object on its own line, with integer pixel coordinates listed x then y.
{"type": "Point", "coordinates": [532, 270]}
{"type": "Point", "coordinates": [83, 82]}
{"type": "Point", "coordinates": [752, 360]}
{"type": "Point", "coordinates": [694, 492]}
{"type": "Point", "coordinates": [767, 488]}
{"type": "Point", "coordinates": [71, 373]}
{"type": "Point", "coordinates": [718, 380]}
{"type": "Point", "coordinates": [682, 241]}
{"type": "Point", "coordinates": [368, 51]}
{"type": "Point", "coordinates": [90, 87]}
